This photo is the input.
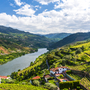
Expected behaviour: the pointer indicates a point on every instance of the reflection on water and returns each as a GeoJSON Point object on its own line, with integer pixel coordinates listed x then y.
{"type": "Point", "coordinates": [20, 63]}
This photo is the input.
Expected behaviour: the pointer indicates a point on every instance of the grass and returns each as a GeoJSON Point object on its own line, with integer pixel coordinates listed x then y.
{"type": "Point", "coordinates": [76, 77]}
{"type": "Point", "coordinates": [52, 81]}
{"type": "Point", "coordinates": [19, 87]}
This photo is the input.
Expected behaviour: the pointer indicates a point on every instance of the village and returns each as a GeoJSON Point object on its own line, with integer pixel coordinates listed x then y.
{"type": "Point", "coordinates": [57, 75]}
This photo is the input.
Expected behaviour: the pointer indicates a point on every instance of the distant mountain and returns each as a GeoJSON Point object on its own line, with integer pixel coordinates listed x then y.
{"type": "Point", "coordinates": [24, 38]}
{"type": "Point", "coordinates": [71, 38]}
{"type": "Point", "coordinates": [57, 36]}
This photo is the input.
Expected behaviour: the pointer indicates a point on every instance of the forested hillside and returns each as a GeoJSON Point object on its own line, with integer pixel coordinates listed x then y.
{"type": "Point", "coordinates": [57, 36]}
{"type": "Point", "coordinates": [25, 38]}
{"type": "Point", "coordinates": [71, 38]}
{"type": "Point", "coordinates": [11, 48]}
{"type": "Point", "coordinates": [75, 56]}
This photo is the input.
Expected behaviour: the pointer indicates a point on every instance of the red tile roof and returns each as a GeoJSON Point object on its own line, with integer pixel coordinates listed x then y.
{"type": "Point", "coordinates": [37, 77]}
{"type": "Point", "coordinates": [56, 69]}
{"type": "Point", "coordinates": [47, 76]}
{"type": "Point", "coordinates": [3, 77]}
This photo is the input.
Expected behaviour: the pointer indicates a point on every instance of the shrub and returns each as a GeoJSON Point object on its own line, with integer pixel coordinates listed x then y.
{"type": "Point", "coordinates": [36, 82]}
{"type": "Point", "coordinates": [50, 86]}
{"type": "Point", "coordinates": [69, 71]}
{"type": "Point", "coordinates": [51, 78]}
{"type": "Point", "coordinates": [75, 84]}
{"type": "Point", "coordinates": [78, 51]}
{"type": "Point", "coordinates": [83, 48]}
{"type": "Point", "coordinates": [69, 84]}
{"type": "Point", "coordinates": [61, 76]}
{"type": "Point", "coordinates": [23, 83]}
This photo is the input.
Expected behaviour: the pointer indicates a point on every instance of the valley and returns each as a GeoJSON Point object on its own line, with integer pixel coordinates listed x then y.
{"type": "Point", "coordinates": [72, 52]}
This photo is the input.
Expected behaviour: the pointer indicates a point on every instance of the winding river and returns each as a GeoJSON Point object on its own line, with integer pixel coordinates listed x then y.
{"type": "Point", "coordinates": [20, 62]}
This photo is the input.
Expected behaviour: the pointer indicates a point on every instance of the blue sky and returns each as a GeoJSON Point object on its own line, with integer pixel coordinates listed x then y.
{"type": "Point", "coordinates": [46, 16]}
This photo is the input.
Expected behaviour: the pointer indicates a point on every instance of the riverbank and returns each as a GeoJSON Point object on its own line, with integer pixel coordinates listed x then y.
{"type": "Point", "coordinates": [20, 62]}
{"type": "Point", "coordinates": [8, 57]}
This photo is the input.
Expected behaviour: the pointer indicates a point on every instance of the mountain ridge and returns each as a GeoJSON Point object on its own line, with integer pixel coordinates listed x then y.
{"type": "Point", "coordinates": [71, 39]}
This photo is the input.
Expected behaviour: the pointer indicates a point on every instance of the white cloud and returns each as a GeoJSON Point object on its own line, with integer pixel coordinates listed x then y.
{"type": "Point", "coordinates": [73, 17]}
{"type": "Point", "coordinates": [12, 5]}
{"type": "Point", "coordinates": [25, 10]}
{"type": "Point", "coordinates": [46, 2]}
{"type": "Point", "coordinates": [18, 2]}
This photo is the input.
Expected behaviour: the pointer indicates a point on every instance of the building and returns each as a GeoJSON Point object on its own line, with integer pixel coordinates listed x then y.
{"type": "Point", "coordinates": [58, 70]}
{"type": "Point", "coordinates": [4, 77]}
{"type": "Point", "coordinates": [46, 77]}
{"type": "Point", "coordinates": [34, 78]}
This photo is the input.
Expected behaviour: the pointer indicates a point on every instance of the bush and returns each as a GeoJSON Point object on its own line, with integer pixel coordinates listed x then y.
{"type": "Point", "coordinates": [69, 71]}
{"type": "Point", "coordinates": [23, 83]}
{"type": "Point", "coordinates": [50, 86]}
{"type": "Point", "coordinates": [78, 51]}
{"type": "Point", "coordinates": [61, 76]}
{"type": "Point", "coordinates": [36, 83]}
{"type": "Point", "coordinates": [51, 78]}
{"type": "Point", "coordinates": [69, 84]}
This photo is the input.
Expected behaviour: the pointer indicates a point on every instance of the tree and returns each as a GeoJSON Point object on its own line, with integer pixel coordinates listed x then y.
{"type": "Point", "coordinates": [83, 48]}
{"type": "Point", "coordinates": [31, 63]}
{"type": "Point", "coordinates": [36, 83]}
{"type": "Point", "coordinates": [78, 51]}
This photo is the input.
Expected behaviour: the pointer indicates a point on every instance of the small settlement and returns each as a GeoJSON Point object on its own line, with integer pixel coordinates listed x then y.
{"type": "Point", "coordinates": [58, 73]}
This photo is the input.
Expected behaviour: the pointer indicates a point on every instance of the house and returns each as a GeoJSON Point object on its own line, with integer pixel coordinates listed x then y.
{"type": "Point", "coordinates": [46, 77]}
{"type": "Point", "coordinates": [58, 70]}
{"type": "Point", "coordinates": [34, 78]}
{"type": "Point", "coordinates": [4, 77]}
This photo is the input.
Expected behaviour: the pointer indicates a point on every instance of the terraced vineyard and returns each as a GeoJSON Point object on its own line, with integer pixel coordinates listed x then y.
{"type": "Point", "coordinates": [19, 87]}
{"type": "Point", "coordinates": [86, 83]}
{"type": "Point", "coordinates": [76, 57]}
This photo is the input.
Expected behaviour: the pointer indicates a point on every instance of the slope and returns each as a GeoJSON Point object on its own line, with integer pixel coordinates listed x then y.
{"type": "Point", "coordinates": [71, 38]}
{"type": "Point", "coordinates": [25, 38]}
{"type": "Point", "coordinates": [75, 56]}
{"type": "Point", "coordinates": [57, 36]}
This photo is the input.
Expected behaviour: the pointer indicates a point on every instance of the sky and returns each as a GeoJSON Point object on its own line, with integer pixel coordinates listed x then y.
{"type": "Point", "coordinates": [46, 16]}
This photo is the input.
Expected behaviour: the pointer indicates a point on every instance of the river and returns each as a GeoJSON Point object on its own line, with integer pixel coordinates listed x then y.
{"type": "Point", "coordinates": [20, 62]}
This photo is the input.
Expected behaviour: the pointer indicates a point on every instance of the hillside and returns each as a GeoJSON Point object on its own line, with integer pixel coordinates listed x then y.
{"type": "Point", "coordinates": [75, 56]}
{"type": "Point", "coordinates": [24, 38]}
{"type": "Point", "coordinates": [71, 38]}
{"type": "Point", "coordinates": [57, 36]}
{"type": "Point", "coordinates": [19, 87]}
{"type": "Point", "coordinates": [9, 49]}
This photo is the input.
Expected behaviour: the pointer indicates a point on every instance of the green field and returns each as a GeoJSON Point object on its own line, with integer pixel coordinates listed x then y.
{"type": "Point", "coordinates": [19, 87]}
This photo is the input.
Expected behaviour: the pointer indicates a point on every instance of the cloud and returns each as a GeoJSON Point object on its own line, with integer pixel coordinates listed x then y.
{"type": "Point", "coordinates": [25, 10]}
{"type": "Point", "coordinates": [73, 16]}
{"type": "Point", "coordinates": [46, 2]}
{"type": "Point", "coordinates": [12, 5]}
{"type": "Point", "coordinates": [18, 2]}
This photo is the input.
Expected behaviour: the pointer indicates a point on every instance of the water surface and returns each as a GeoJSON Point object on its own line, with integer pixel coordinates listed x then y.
{"type": "Point", "coordinates": [20, 62]}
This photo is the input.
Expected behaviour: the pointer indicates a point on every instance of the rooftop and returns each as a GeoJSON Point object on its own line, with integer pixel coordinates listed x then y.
{"type": "Point", "coordinates": [37, 77]}
{"type": "Point", "coordinates": [56, 69]}
{"type": "Point", "coordinates": [47, 76]}
{"type": "Point", "coordinates": [3, 77]}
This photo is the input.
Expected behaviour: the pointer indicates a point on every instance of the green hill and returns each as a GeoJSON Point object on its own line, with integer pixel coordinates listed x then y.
{"type": "Point", "coordinates": [75, 56]}
{"type": "Point", "coordinates": [9, 49]}
{"type": "Point", "coordinates": [57, 36]}
{"type": "Point", "coordinates": [71, 38]}
{"type": "Point", "coordinates": [25, 38]}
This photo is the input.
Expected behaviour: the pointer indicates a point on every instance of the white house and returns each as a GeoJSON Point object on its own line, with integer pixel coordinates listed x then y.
{"type": "Point", "coordinates": [58, 70]}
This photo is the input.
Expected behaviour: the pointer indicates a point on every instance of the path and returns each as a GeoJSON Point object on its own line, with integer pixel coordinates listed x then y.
{"type": "Point", "coordinates": [47, 64]}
